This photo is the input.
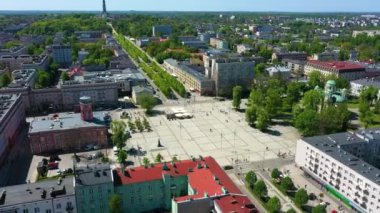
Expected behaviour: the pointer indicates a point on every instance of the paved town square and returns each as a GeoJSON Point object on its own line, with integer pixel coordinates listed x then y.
{"type": "Point", "coordinates": [216, 129]}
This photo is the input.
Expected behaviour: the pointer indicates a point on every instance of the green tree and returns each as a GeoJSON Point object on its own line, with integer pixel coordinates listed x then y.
{"type": "Point", "coordinates": [236, 96]}
{"type": "Point", "coordinates": [275, 173]}
{"type": "Point", "coordinates": [122, 156]}
{"type": "Point", "coordinates": [139, 125]}
{"type": "Point", "coordinates": [115, 204]}
{"type": "Point", "coordinates": [312, 99]}
{"type": "Point", "coordinates": [260, 189]}
{"type": "Point", "coordinates": [315, 79]}
{"type": "Point", "coordinates": [43, 79]}
{"type": "Point", "coordinates": [260, 69]}
{"type": "Point", "coordinates": [250, 179]}
{"type": "Point", "coordinates": [263, 119]}
{"type": "Point", "coordinates": [146, 162]}
{"type": "Point", "coordinates": [174, 159]}
{"type": "Point", "coordinates": [158, 158]}
{"type": "Point", "coordinates": [291, 211]}
{"type": "Point", "coordinates": [250, 115]}
{"type": "Point", "coordinates": [147, 102]}
{"type": "Point", "coordinates": [274, 205]}
{"type": "Point", "coordinates": [369, 95]}
{"type": "Point", "coordinates": [293, 93]}
{"type": "Point", "coordinates": [307, 122]}
{"type": "Point", "coordinates": [287, 184]}
{"type": "Point", "coordinates": [146, 124]}
{"type": "Point", "coordinates": [65, 76]}
{"type": "Point", "coordinates": [5, 80]}
{"type": "Point", "coordinates": [366, 116]}
{"type": "Point", "coordinates": [301, 197]}
{"type": "Point", "coordinates": [319, 209]}
{"type": "Point", "coordinates": [119, 135]}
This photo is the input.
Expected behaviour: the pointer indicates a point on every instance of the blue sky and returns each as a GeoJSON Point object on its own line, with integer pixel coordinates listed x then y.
{"type": "Point", "coordinates": [198, 5]}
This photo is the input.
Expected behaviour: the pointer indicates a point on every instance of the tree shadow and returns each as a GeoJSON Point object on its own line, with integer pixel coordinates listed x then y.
{"type": "Point", "coordinates": [272, 132]}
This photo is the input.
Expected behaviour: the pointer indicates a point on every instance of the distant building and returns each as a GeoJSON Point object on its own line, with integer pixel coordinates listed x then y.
{"type": "Point", "coordinates": [284, 72]}
{"type": "Point", "coordinates": [326, 56]}
{"type": "Point", "coordinates": [218, 43]}
{"type": "Point", "coordinates": [357, 86]}
{"type": "Point", "coordinates": [191, 78]}
{"type": "Point", "coordinates": [15, 62]}
{"type": "Point", "coordinates": [24, 78]}
{"type": "Point", "coordinates": [370, 33]}
{"type": "Point", "coordinates": [296, 66]}
{"type": "Point", "coordinates": [82, 55]}
{"type": "Point", "coordinates": [62, 54]}
{"type": "Point", "coordinates": [191, 41]}
{"type": "Point", "coordinates": [94, 186]}
{"type": "Point", "coordinates": [50, 196]}
{"type": "Point", "coordinates": [88, 36]}
{"type": "Point", "coordinates": [140, 91]}
{"type": "Point", "coordinates": [142, 42]}
{"type": "Point", "coordinates": [14, 51]}
{"type": "Point", "coordinates": [161, 30]}
{"type": "Point", "coordinates": [228, 71]}
{"type": "Point", "coordinates": [279, 56]}
{"type": "Point", "coordinates": [180, 187]}
{"type": "Point", "coordinates": [12, 119]}
{"type": "Point", "coordinates": [243, 48]}
{"type": "Point", "coordinates": [40, 62]}
{"type": "Point", "coordinates": [342, 69]}
{"type": "Point", "coordinates": [205, 37]}
{"type": "Point", "coordinates": [66, 132]}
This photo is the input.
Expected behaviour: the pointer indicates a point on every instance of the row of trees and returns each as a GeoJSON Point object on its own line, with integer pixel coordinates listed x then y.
{"type": "Point", "coordinates": [119, 138]}
{"type": "Point", "coordinates": [369, 106]}
{"type": "Point", "coordinates": [163, 80]}
{"type": "Point", "coordinates": [139, 125]}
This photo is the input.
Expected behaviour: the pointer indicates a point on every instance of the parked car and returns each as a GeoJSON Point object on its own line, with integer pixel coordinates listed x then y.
{"type": "Point", "coordinates": [96, 147]}
{"type": "Point", "coordinates": [53, 165]}
{"type": "Point", "coordinates": [89, 147]}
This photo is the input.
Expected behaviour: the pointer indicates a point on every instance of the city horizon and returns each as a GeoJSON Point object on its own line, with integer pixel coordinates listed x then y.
{"type": "Point", "coordinates": [289, 6]}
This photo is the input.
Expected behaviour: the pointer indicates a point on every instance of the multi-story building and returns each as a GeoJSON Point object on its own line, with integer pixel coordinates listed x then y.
{"type": "Point", "coordinates": [346, 164]}
{"type": "Point", "coordinates": [284, 72]}
{"type": "Point", "coordinates": [50, 196]}
{"type": "Point", "coordinates": [15, 62]}
{"type": "Point", "coordinates": [40, 62]}
{"type": "Point", "coordinates": [198, 185]}
{"type": "Point", "coordinates": [370, 33]}
{"type": "Point", "coordinates": [14, 51]}
{"type": "Point", "coordinates": [357, 86]}
{"type": "Point", "coordinates": [88, 36]}
{"type": "Point", "coordinates": [218, 43]}
{"type": "Point", "coordinates": [62, 54]}
{"type": "Point", "coordinates": [342, 69]}
{"type": "Point", "coordinates": [162, 30]}
{"type": "Point", "coordinates": [243, 48]}
{"type": "Point", "coordinates": [23, 78]}
{"type": "Point", "coordinates": [68, 131]}
{"type": "Point", "coordinates": [191, 78]}
{"type": "Point", "coordinates": [94, 186]}
{"type": "Point", "coordinates": [12, 119]}
{"type": "Point", "coordinates": [279, 56]}
{"type": "Point", "coordinates": [296, 66]}
{"type": "Point", "coordinates": [205, 37]}
{"type": "Point", "coordinates": [230, 72]}
{"type": "Point", "coordinates": [139, 91]}
{"type": "Point", "coordinates": [326, 56]}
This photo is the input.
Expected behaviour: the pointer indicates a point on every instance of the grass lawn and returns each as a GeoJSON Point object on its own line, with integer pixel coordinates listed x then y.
{"type": "Point", "coordinates": [353, 104]}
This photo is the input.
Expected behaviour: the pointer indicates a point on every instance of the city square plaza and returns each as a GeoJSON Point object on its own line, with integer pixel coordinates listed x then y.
{"type": "Point", "coordinates": [214, 130]}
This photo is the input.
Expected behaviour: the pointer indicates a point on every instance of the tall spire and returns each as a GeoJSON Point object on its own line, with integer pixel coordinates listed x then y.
{"type": "Point", "coordinates": [104, 13]}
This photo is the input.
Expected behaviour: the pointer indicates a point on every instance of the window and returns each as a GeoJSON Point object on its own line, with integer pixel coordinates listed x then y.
{"type": "Point", "coordinates": [36, 209]}
{"type": "Point", "coordinates": [58, 206]}
{"type": "Point", "coordinates": [48, 211]}
{"type": "Point", "coordinates": [25, 211]}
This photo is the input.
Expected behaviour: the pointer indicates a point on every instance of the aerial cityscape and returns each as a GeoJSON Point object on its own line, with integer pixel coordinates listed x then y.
{"type": "Point", "coordinates": [196, 106]}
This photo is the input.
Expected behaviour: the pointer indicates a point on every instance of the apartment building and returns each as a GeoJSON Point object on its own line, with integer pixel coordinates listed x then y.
{"type": "Point", "coordinates": [191, 78]}
{"type": "Point", "coordinates": [296, 66]}
{"type": "Point", "coordinates": [47, 196]}
{"type": "Point", "coordinates": [12, 118]}
{"type": "Point", "coordinates": [346, 164]}
{"type": "Point", "coordinates": [342, 69]}
{"type": "Point", "coordinates": [62, 54]}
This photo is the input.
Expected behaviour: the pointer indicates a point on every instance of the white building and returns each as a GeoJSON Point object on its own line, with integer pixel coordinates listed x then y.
{"type": "Point", "coordinates": [344, 163]}
{"type": "Point", "coordinates": [370, 33]}
{"type": "Point", "coordinates": [243, 48]}
{"type": "Point", "coordinates": [50, 196]}
{"type": "Point", "coordinates": [359, 85]}
{"type": "Point", "coordinates": [279, 70]}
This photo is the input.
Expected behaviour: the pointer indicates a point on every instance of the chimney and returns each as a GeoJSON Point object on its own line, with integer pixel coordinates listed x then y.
{"type": "Point", "coordinates": [86, 108]}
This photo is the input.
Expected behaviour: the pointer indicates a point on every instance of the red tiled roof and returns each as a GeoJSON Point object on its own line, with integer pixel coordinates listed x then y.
{"type": "Point", "coordinates": [235, 203]}
{"type": "Point", "coordinates": [338, 65]}
{"type": "Point", "coordinates": [210, 179]}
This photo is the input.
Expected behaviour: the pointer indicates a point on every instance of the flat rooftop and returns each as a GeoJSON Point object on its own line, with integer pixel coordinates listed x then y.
{"type": "Point", "coordinates": [334, 146]}
{"type": "Point", "coordinates": [27, 193]}
{"type": "Point", "coordinates": [65, 121]}
{"type": "Point", "coordinates": [375, 82]}
{"type": "Point", "coordinates": [198, 75]}
{"type": "Point", "coordinates": [6, 103]}
{"type": "Point", "coordinates": [94, 174]}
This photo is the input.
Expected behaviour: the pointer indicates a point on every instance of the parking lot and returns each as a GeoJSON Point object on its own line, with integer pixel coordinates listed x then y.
{"type": "Point", "coordinates": [215, 130]}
